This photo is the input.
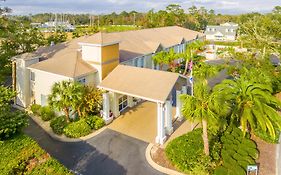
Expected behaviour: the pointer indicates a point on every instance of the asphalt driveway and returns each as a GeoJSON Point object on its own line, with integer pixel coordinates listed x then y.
{"type": "Point", "coordinates": [108, 153]}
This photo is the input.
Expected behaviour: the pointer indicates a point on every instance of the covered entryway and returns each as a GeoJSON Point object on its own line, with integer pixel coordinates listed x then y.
{"type": "Point", "coordinates": [139, 121]}
{"type": "Point", "coordinates": [126, 85]}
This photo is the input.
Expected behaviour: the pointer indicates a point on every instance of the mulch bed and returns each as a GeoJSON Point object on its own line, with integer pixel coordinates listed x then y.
{"type": "Point", "coordinates": [267, 157]}
{"type": "Point", "coordinates": [158, 156]}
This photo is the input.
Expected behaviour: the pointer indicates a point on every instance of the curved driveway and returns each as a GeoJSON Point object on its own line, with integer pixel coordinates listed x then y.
{"type": "Point", "coordinates": [109, 153]}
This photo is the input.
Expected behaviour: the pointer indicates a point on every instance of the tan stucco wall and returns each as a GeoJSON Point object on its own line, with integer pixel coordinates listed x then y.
{"type": "Point", "coordinates": [107, 68]}
{"type": "Point", "coordinates": [109, 53]}
{"type": "Point", "coordinates": [110, 59]}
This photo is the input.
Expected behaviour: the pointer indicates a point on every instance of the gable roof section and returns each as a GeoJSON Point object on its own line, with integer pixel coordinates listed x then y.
{"type": "Point", "coordinates": [148, 84]}
{"type": "Point", "coordinates": [222, 30]}
{"type": "Point", "coordinates": [65, 65]}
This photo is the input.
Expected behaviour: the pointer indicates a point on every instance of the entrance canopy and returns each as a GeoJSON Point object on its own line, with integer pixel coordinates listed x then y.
{"type": "Point", "coordinates": [147, 84]}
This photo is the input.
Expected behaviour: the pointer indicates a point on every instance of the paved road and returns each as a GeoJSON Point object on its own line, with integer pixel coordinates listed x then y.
{"type": "Point", "coordinates": [108, 153]}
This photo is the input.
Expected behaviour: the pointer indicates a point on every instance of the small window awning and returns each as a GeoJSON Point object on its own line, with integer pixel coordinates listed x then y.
{"type": "Point", "coordinates": [147, 84]}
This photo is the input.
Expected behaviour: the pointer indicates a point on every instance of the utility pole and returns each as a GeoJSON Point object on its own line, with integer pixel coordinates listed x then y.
{"type": "Point", "coordinates": [134, 19]}
{"type": "Point", "coordinates": [98, 21]}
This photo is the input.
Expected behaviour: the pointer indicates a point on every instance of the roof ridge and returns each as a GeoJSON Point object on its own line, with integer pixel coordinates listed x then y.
{"type": "Point", "coordinates": [75, 66]}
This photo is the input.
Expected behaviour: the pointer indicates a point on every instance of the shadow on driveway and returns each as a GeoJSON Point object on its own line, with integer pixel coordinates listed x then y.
{"type": "Point", "coordinates": [107, 153]}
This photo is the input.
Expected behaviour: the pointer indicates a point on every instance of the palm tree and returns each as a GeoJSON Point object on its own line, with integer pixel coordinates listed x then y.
{"type": "Point", "coordinates": [66, 95]}
{"type": "Point", "coordinates": [201, 108]}
{"type": "Point", "coordinates": [159, 58]}
{"type": "Point", "coordinates": [190, 53]}
{"type": "Point", "coordinates": [170, 58]}
{"type": "Point", "coordinates": [252, 104]}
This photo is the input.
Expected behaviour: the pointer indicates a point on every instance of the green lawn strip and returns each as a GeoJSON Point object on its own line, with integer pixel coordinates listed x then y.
{"type": "Point", "coordinates": [22, 155]}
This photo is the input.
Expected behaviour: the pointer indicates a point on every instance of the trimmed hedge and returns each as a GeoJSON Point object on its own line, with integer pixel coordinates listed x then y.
{"type": "Point", "coordinates": [17, 153]}
{"type": "Point", "coordinates": [95, 122]}
{"type": "Point", "coordinates": [186, 153]}
{"type": "Point", "coordinates": [58, 124]}
{"type": "Point", "coordinates": [77, 129]}
{"type": "Point", "coordinates": [35, 108]}
{"type": "Point", "coordinates": [237, 153]}
{"type": "Point", "coordinates": [46, 113]}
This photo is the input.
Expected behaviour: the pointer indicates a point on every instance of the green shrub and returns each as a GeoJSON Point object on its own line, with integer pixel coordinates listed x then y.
{"type": "Point", "coordinates": [99, 123]}
{"type": "Point", "coordinates": [47, 113]}
{"type": "Point", "coordinates": [77, 129]}
{"type": "Point", "coordinates": [238, 155]}
{"type": "Point", "coordinates": [58, 124]}
{"type": "Point", "coordinates": [11, 123]}
{"type": "Point", "coordinates": [18, 151]}
{"type": "Point", "coordinates": [35, 109]}
{"type": "Point", "coordinates": [266, 136]}
{"type": "Point", "coordinates": [186, 152]}
{"type": "Point", "coordinates": [95, 122]}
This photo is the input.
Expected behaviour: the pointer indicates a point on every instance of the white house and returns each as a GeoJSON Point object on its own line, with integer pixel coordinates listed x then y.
{"type": "Point", "coordinates": [119, 63]}
{"type": "Point", "coordinates": [223, 32]}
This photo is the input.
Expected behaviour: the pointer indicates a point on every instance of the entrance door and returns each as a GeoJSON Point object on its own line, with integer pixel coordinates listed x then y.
{"type": "Point", "coordinates": [123, 102]}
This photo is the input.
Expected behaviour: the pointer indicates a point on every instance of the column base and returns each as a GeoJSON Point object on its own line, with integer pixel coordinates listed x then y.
{"type": "Point", "coordinates": [169, 131]}
{"type": "Point", "coordinates": [108, 120]}
{"type": "Point", "coordinates": [160, 141]}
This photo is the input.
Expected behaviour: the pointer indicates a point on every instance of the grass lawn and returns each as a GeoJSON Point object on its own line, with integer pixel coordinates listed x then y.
{"type": "Point", "coordinates": [22, 155]}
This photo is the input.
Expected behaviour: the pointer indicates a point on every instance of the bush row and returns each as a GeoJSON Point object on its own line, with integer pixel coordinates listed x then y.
{"type": "Point", "coordinates": [186, 153]}
{"type": "Point", "coordinates": [75, 129]}
{"type": "Point", "coordinates": [237, 152]}
{"type": "Point", "coordinates": [45, 112]}
{"type": "Point", "coordinates": [78, 128]}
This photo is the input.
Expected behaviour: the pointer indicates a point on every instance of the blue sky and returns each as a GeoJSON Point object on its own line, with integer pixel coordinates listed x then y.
{"type": "Point", "coordinates": [107, 6]}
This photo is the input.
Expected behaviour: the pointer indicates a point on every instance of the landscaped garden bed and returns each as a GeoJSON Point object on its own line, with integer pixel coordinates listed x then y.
{"type": "Point", "coordinates": [22, 155]}
{"type": "Point", "coordinates": [76, 128]}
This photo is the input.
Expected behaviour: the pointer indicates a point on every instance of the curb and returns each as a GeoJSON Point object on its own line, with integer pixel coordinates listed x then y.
{"type": "Point", "coordinates": [46, 127]}
{"type": "Point", "coordinates": [156, 166]}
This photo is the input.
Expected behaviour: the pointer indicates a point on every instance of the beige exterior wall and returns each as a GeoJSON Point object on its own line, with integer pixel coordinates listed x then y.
{"type": "Point", "coordinates": [43, 83]}
{"type": "Point", "coordinates": [91, 53]}
{"type": "Point", "coordinates": [23, 81]}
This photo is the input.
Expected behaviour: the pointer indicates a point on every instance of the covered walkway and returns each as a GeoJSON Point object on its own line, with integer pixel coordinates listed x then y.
{"type": "Point", "coordinates": [139, 122]}
{"type": "Point", "coordinates": [126, 86]}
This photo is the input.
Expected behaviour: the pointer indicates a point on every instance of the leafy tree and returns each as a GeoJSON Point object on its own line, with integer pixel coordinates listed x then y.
{"type": "Point", "coordinates": [190, 53]}
{"type": "Point", "coordinates": [91, 103]}
{"type": "Point", "coordinates": [202, 108]}
{"type": "Point", "coordinates": [66, 96]}
{"type": "Point", "coordinates": [159, 58]}
{"type": "Point", "coordinates": [277, 10]}
{"type": "Point", "coordinates": [251, 104]}
{"type": "Point", "coordinates": [6, 95]}
{"type": "Point", "coordinates": [57, 37]}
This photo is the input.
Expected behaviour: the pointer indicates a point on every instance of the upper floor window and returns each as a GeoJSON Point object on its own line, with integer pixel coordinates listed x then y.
{"type": "Point", "coordinates": [32, 76]}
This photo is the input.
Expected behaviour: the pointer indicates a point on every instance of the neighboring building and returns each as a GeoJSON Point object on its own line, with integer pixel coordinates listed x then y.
{"type": "Point", "coordinates": [118, 62]}
{"type": "Point", "coordinates": [53, 25]}
{"type": "Point", "coordinates": [223, 32]}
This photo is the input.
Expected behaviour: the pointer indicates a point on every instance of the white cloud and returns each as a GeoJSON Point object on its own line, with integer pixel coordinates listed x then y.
{"type": "Point", "coordinates": [108, 6]}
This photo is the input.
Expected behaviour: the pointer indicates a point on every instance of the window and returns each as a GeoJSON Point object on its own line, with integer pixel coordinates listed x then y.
{"type": "Point", "coordinates": [32, 76]}
{"type": "Point", "coordinates": [123, 102]}
{"type": "Point", "coordinates": [82, 80]}
{"type": "Point", "coordinates": [44, 100]}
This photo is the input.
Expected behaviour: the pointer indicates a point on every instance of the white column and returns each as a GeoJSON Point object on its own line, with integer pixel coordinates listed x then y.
{"type": "Point", "coordinates": [130, 101]}
{"type": "Point", "coordinates": [105, 114]}
{"type": "Point", "coordinates": [161, 137]}
{"type": "Point", "coordinates": [178, 106]}
{"type": "Point", "coordinates": [168, 117]}
{"type": "Point", "coordinates": [115, 105]}
{"type": "Point", "coordinates": [184, 90]}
